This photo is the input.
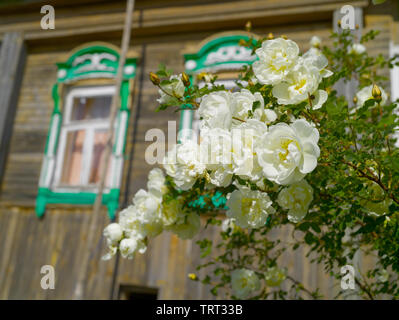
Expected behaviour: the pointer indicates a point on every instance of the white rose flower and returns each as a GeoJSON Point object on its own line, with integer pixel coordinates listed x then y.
{"type": "Point", "coordinates": [131, 223]}
{"type": "Point", "coordinates": [296, 199]}
{"type": "Point", "coordinates": [366, 94]}
{"type": "Point", "coordinates": [148, 208]}
{"type": "Point", "coordinates": [315, 41]}
{"type": "Point", "coordinates": [129, 246]}
{"type": "Point", "coordinates": [301, 82]}
{"type": "Point", "coordinates": [249, 208]}
{"type": "Point", "coordinates": [187, 226]}
{"type": "Point", "coordinates": [174, 88]}
{"type": "Point", "coordinates": [183, 164]}
{"type": "Point", "coordinates": [288, 152]}
{"type": "Point", "coordinates": [378, 203]}
{"type": "Point", "coordinates": [156, 182]}
{"type": "Point", "coordinates": [215, 153]}
{"type": "Point", "coordinates": [274, 276]}
{"type": "Point", "coordinates": [242, 103]}
{"type": "Point", "coordinates": [113, 233]}
{"type": "Point", "coordinates": [216, 110]}
{"type": "Point", "coordinates": [112, 250]}
{"type": "Point", "coordinates": [245, 139]}
{"type": "Point", "coordinates": [318, 60]}
{"type": "Point", "coordinates": [171, 211]}
{"type": "Point", "coordinates": [276, 58]}
{"type": "Point", "coordinates": [357, 48]}
{"type": "Point", "coordinates": [244, 282]}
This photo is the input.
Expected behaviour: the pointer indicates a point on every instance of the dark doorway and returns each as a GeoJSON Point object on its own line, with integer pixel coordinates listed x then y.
{"type": "Point", "coordinates": [133, 292]}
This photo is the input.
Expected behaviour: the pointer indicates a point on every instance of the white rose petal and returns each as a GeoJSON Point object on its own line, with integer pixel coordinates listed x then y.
{"type": "Point", "coordinates": [320, 97]}
{"type": "Point", "coordinates": [357, 48]}
{"type": "Point", "coordinates": [216, 110]}
{"type": "Point", "coordinates": [227, 224]}
{"type": "Point", "coordinates": [156, 182]}
{"type": "Point", "coordinates": [113, 233]}
{"type": "Point", "coordinates": [245, 140]}
{"type": "Point", "coordinates": [187, 227]}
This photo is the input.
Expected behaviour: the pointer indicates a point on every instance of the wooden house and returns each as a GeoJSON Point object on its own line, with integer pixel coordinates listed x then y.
{"type": "Point", "coordinates": [55, 91]}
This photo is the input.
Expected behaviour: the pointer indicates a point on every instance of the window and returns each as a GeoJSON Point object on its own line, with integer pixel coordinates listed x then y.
{"type": "Point", "coordinates": [219, 54]}
{"type": "Point", "coordinates": [83, 137]}
{"type": "Point", "coordinates": [79, 128]}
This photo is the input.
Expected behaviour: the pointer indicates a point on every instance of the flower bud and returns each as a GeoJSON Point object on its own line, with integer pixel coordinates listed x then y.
{"type": "Point", "coordinates": [354, 99]}
{"type": "Point", "coordinates": [270, 36]}
{"type": "Point", "coordinates": [154, 78]}
{"type": "Point", "coordinates": [186, 79]}
{"type": "Point", "coordinates": [248, 26]}
{"type": "Point", "coordinates": [376, 92]}
{"type": "Point", "coordinates": [284, 37]}
{"type": "Point", "coordinates": [192, 276]}
{"type": "Point", "coordinates": [339, 23]}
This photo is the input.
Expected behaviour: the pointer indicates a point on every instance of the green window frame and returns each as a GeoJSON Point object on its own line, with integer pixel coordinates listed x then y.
{"type": "Point", "coordinates": [94, 63]}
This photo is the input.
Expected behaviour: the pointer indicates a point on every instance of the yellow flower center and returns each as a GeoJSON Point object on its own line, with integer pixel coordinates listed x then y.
{"type": "Point", "coordinates": [284, 145]}
{"type": "Point", "coordinates": [300, 84]}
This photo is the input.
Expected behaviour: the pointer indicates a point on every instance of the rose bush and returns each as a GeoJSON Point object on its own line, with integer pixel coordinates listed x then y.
{"type": "Point", "coordinates": [284, 149]}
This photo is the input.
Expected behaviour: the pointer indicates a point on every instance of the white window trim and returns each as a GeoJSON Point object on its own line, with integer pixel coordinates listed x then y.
{"type": "Point", "coordinates": [394, 73]}
{"type": "Point", "coordinates": [90, 127]}
{"type": "Point", "coordinates": [394, 49]}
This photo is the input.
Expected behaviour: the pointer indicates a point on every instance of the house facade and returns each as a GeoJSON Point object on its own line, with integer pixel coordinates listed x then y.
{"type": "Point", "coordinates": [56, 87]}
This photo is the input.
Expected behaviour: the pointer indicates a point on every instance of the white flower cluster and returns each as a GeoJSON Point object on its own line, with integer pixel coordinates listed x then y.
{"type": "Point", "coordinates": [240, 137]}
{"type": "Point", "coordinates": [148, 216]}
{"type": "Point", "coordinates": [294, 78]}
{"type": "Point", "coordinates": [245, 282]}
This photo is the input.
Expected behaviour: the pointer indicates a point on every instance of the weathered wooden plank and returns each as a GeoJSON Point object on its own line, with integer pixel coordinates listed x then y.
{"type": "Point", "coordinates": [188, 16]}
{"type": "Point", "coordinates": [12, 61]}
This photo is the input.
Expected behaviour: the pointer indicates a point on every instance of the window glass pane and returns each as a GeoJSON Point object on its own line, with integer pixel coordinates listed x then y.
{"type": "Point", "coordinates": [100, 140]}
{"type": "Point", "coordinates": [72, 163]}
{"type": "Point", "coordinates": [91, 108]}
